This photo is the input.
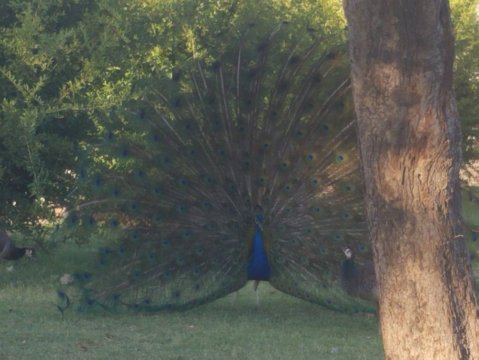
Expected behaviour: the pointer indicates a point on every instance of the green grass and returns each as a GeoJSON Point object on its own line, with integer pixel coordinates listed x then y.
{"type": "Point", "coordinates": [282, 327]}
{"type": "Point", "coordinates": [470, 215]}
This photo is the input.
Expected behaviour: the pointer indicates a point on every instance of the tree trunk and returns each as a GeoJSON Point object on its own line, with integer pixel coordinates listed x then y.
{"type": "Point", "coordinates": [409, 137]}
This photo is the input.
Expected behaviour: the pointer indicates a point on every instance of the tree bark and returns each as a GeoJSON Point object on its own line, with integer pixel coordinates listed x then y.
{"type": "Point", "coordinates": [409, 136]}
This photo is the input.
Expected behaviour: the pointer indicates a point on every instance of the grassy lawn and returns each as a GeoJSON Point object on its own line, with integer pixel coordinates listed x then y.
{"type": "Point", "coordinates": [471, 218]}
{"type": "Point", "coordinates": [281, 327]}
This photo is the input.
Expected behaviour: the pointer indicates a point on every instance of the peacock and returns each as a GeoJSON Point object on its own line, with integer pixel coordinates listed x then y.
{"type": "Point", "coordinates": [9, 251]}
{"type": "Point", "coordinates": [359, 280]}
{"type": "Point", "coordinates": [241, 165]}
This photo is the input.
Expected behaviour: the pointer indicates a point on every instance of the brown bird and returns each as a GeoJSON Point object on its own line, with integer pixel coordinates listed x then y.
{"type": "Point", "coordinates": [8, 250]}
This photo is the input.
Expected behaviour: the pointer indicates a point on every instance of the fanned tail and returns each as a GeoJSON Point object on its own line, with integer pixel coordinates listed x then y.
{"type": "Point", "coordinates": [265, 126]}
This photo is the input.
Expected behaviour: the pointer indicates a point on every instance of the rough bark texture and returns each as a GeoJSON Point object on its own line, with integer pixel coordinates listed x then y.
{"type": "Point", "coordinates": [402, 54]}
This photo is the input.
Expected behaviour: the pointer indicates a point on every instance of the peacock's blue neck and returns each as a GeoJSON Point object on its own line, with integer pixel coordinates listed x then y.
{"type": "Point", "coordinates": [348, 269]}
{"type": "Point", "coordinates": [258, 265]}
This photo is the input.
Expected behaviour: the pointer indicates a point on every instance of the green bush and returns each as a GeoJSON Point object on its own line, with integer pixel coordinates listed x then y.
{"type": "Point", "coordinates": [67, 65]}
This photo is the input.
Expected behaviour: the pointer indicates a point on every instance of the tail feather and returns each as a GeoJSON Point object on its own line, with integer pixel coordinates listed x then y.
{"type": "Point", "coordinates": [263, 128]}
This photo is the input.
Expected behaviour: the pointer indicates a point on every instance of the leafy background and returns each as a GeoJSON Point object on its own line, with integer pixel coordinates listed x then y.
{"type": "Point", "coordinates": [67, 65]}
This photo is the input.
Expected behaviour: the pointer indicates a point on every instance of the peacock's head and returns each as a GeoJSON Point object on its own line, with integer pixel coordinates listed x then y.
{"type": "Point", "coordinates": [30, 252]}
{"type": "Point", "coordinates": [348, 253]}
{"type": "Point", "coordinates": [259, 217]}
